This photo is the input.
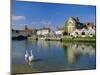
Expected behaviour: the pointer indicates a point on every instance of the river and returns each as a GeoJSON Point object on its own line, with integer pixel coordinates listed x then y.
{"type": "Point", "coordinates": [52, 56]}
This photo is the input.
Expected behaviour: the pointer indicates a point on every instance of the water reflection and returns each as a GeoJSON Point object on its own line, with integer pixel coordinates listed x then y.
{"type": "Point", "coordinates": [43, 44]}
{"type": "Point", "coordinates": [54, 55]}
{"type": "Point", "coordinates": [70, 53]}
{"type": "Point", "coordinates": [73, 51]}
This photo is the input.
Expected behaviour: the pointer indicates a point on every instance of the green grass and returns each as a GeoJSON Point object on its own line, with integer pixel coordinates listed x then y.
{"type": "Point", "coordinates": [80, 39]}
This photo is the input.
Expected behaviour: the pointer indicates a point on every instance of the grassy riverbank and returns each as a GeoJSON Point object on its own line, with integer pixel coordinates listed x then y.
{"type": "Point", "coordinates": [67, 39]}
{"type": "Point", "coordinates": [80, 39]}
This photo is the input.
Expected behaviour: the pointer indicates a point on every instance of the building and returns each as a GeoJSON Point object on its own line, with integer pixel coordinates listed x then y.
{"type": "Point", "coordinates": [83, 32]}
{"type": "Point", "coordinates": [59, 31]}
{"type": "Point", "coordinates": [75, 28]}
{"type": "Point", "coordinates": [71, 24]}
{"type": "Point", "coordinates": [23, 32]}
{"type": "Point", "coordinates": [26, 31]}
{"type": "Point", "coordinates": [15, 33]}
{"type": "Point", "coordinates": [43, 31]}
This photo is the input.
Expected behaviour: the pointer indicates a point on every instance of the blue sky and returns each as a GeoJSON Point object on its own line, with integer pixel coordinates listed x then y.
{"type": "Point", "coordinates": [37, 15]}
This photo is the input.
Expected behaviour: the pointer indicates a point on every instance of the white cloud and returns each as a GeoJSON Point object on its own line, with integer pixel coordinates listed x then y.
{"type": "Point", "coordinates": [14, 17]}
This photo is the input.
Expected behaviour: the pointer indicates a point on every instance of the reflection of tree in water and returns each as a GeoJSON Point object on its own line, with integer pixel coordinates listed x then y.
{"type": "Point", "coordinates": [70, 54]}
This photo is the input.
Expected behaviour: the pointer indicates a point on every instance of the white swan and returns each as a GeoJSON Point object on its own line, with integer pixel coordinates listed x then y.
{"type": "Point", "coordinates": [26, 55]}
{"type": "Point", "coordinates": [31, 57]}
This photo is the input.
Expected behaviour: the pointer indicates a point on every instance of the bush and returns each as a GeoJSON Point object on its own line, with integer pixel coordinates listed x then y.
{"type": "Point", "coordinates": [65, 33]}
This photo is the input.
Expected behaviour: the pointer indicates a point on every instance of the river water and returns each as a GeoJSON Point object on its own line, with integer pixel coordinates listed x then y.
{"type": "Point", "coordinates": [52, 56]}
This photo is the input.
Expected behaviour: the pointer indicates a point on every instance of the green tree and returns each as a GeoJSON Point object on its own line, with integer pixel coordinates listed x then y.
{"type": "Point", "coordinates": [77, 19]}
{"type": "Point", "coordinates": [65, 28]}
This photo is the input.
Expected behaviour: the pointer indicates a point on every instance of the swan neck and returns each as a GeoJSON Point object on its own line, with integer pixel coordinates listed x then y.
{"type": "Point", "coordinates": [26, 52]}
{"type": "Point", "coordinates": [31, 52]}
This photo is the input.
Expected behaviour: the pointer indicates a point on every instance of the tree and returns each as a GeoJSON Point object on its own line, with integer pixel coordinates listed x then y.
{"type": "Point", "coordinates": [65, 28]}
{"type": "Point", "coordinates": [77, 19]}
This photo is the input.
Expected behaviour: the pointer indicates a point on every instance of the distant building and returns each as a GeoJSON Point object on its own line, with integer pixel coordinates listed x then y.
{"type": "Point", "coordinates": [43, 31]}
{"type": "Point", "coordinates": [15, 33]}
{"type": "Point", "coordinates": [26, 31]}
{"type": "Point", "coordinates": [59, 31]}
{"type": "Point", "coordinates": [23, 32]}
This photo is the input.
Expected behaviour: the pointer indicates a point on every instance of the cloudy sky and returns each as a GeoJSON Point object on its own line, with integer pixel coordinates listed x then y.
{"type": "Point", "coordinates": [37, 15]}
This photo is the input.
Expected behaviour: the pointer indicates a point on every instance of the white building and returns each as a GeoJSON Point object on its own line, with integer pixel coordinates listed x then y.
{"type": "Point", "coordinates": [43, 31]}
{"type": "Point", "coordinates": [83, 32]}
{"type": "Point", "coordinates": [59, 31]}
{"type": "Point", "coordinates": [71, 24]}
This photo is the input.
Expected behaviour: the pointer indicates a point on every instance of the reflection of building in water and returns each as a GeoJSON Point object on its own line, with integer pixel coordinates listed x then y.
{"type": "Point", "coordinates": [73, 51]}
{"type": "Point", "coordinates": [70, 53]}
{"type": "Point", "coordinates": [46, 44]}
{"type": "Point", "coordinates": [43, 44]}
{"type": "Point", "coordinates": [57, 43]}
{"type": "Point", "coordinates": [86, 50]}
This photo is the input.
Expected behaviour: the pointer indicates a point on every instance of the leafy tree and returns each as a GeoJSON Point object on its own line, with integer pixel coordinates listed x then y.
{"type": "Point", "coordinates": [77, 19]}
{"type": "Point", "coordinates": [65, 28]}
